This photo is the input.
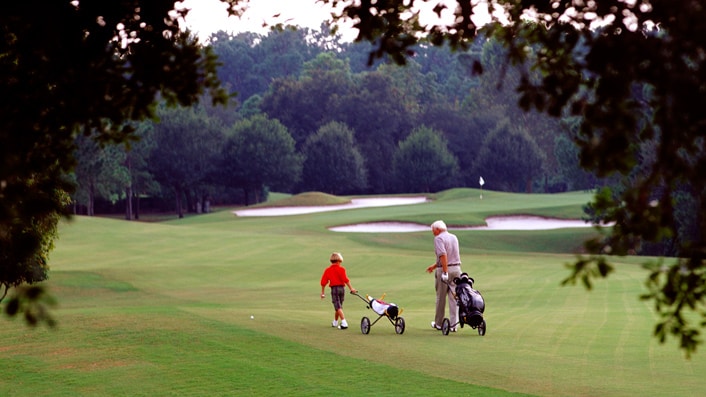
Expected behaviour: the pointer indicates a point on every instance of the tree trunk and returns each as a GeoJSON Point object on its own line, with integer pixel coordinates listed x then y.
{"type": "Point", "coordinates": [128, 203]}
{"type": "Point", "coordinates": [190, 208]}
{"type": "Point", "coordinates": [180, 210]}
{"type": "Point", "coordinates": [91, 199]}
{"type": "Point", "coordinates": [246, 196]}
{"type": "Point", "coordinates": [128, 189]}
{"type": "Point", "coordinates": [137, 206]}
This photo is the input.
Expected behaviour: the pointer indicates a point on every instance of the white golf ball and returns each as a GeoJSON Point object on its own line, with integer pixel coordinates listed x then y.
{"type": "Point", "coordinates": [252, 317]}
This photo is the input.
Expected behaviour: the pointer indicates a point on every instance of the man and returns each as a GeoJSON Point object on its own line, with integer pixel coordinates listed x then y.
{"type": "Point", "coordinates": [447, 267]}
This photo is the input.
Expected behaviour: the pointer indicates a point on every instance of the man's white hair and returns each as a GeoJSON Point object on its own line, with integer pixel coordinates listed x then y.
{"type": "Point", "coordinates": [440, 225]}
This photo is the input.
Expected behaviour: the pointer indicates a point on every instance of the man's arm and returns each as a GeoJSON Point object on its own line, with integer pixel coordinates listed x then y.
{"type": "Point", "coordinates": [444, 263]}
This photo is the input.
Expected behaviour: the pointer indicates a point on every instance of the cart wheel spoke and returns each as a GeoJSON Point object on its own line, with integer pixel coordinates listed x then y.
{"type": "Point", "coordinates": [399, 325]}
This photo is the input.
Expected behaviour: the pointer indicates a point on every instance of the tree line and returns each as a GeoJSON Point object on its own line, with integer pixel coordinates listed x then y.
{"type": "Point", "coordinates": [309, 113]}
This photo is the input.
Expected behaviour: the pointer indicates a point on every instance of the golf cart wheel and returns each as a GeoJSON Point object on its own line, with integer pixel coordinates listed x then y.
{"type": "Point", "coordinates": [481, 328]}
{"type": "Point", "coordinates": [365, 325]}
{"type": "Point", "coordinates": [399, 325]}
{"type": "Point", "coordinates": [445, 326]}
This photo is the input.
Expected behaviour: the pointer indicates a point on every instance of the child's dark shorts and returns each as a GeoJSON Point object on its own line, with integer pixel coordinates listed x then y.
{"type": "Point", "coordinates": [338, 294]}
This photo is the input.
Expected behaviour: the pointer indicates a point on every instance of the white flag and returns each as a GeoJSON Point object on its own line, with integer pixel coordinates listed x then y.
{"type": "Point", "coordinates": [481, 181]}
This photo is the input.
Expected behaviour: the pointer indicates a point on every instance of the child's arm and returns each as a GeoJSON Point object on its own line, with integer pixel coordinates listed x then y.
{"type": "Point", "coordinates": [324, 282]}
{"type": "Point", "coordinates": [353, 290]}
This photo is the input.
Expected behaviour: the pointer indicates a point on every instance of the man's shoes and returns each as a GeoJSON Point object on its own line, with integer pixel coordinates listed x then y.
{"type": "Point", "coordinates": [344, 324]}
{"type": "Point", "coordinates": [334, 323]}
{"type": "Point", "coordinates": [433, 325]}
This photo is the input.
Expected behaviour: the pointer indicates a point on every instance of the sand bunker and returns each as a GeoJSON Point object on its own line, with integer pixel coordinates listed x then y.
{"type": "Point", "coordinates": [355, 203]}
{"type": "Point", "coordinates": [492, 223]}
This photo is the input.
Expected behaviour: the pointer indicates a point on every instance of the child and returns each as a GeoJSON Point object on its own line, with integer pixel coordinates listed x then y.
{"type": "Point", "coordinates": [335, 276]}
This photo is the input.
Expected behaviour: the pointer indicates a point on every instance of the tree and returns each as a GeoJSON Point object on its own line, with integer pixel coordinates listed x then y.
{"type": "Point", "coordinates": [101, 172]}
{"type": "Point", "coordinates": [305, 104]}
{"type": "Point", "coordinates": [509, 159]}
{"type": "Point", "coordinates": [452, 70]}
{"type": "Point", "coordinates": [237, 55]}
{"type": "Point", "coordinates": [333, 163]}
{"type": "Point", "coordinates": [591, 59]}
{"type": "Point", "coordinates": [249, 61]}
{"type": "Point", "coordinates": [72, 67]}
{"type": "Point", "coordinates": [142, 182]}
{"type": "Point", "coordinates": [375, 110]}
{"type": "Point", "coordinates": [463, 131]}
{"type": "Point", "coordinates": [258, 154]}
{"type": "Point", "coordinates": [495, 96]}
{"type": "Point", "coordinates": [185, 153]}
{"type": "Point", "coordinates": [423, 162]}
{"type": "Point", "coordinates": [569, 168]}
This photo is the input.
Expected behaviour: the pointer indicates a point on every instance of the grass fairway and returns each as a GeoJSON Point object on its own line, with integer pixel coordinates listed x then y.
{"type": "Point", "coordinates": [162, 309]}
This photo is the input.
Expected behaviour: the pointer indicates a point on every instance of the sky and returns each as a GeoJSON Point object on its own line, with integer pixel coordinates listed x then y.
{"type": "Point", "coordinates": [210, 16]}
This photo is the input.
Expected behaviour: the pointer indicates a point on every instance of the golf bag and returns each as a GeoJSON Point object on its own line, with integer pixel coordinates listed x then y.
{"type": "Point", "coordinates": [470, 302]}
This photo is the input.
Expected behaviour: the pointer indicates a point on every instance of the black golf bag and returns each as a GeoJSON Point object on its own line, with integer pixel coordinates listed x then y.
{"type": "Point", "coordinates": [470, 302]}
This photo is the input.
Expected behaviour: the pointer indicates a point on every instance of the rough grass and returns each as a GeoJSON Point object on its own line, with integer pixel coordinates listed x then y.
{"type": "Point", "coordinates": [164, 309]}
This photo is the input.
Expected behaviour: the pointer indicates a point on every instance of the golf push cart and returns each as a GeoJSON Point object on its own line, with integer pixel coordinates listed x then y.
{"type": "Point", "coordinates": [390, 311]}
